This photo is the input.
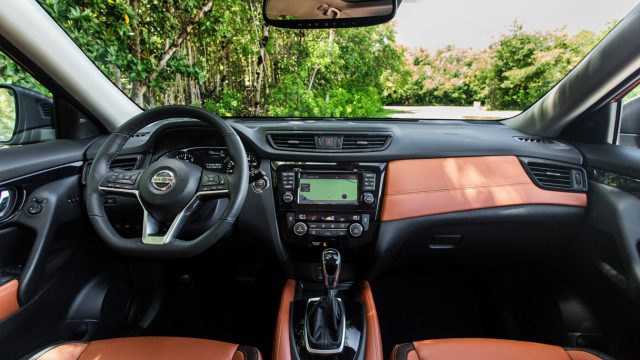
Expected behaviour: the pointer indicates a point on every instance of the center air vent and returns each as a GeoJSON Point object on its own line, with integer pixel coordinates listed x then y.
{"type": "Point", "coordinates": [329, 142]}
{"type": "Point", "coordinates": [556, 176]}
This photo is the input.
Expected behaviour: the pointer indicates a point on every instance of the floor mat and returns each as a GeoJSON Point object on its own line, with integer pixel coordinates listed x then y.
{"type": "Point", "coordinates": [226, 297]}
{"type": "Point", "coordinates": [432, 305]}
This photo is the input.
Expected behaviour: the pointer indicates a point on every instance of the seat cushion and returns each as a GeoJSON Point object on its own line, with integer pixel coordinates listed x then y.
{"type": "Point", "coordinates": [488, 349]}
{"type": "Point", "coordinates": [157, 348]}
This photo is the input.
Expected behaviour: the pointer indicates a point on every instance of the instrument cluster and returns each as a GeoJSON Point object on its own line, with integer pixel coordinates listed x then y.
{"type": "Point", "coordinates": [213, 159]}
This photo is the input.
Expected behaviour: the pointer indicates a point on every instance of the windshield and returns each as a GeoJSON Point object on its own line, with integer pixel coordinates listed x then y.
{"type": "Point", "coordinates": [455, 59]}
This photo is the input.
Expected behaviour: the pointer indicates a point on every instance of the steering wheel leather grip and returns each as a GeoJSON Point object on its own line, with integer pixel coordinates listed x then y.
{"type": "Point", "coordinates": [166, 245]}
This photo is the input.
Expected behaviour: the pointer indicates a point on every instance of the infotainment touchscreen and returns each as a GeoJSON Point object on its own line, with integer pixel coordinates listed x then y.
{"type": "Point", "coordinates": [328, 189]}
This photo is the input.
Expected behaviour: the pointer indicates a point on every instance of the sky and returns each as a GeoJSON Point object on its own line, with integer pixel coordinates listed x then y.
{"type": "Point", "coordinates": [475, 24]}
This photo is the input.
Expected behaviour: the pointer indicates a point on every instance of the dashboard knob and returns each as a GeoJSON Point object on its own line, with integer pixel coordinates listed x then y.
{"type": "Point", "coordinates": [355, 230]}
{"type": "Point", "coordinates": [300, 229]}
{"type": "Point", "coordinates": [368, 198]}
{"type": "Point", "coordinates": [287, 197]}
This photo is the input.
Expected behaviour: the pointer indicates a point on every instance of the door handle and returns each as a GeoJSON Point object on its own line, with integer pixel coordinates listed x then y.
{"type": "Point", "coordinates": [7, 202]}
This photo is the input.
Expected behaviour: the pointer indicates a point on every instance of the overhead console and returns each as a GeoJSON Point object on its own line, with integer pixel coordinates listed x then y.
{"type": "Point", "coordinates": [322, 204]}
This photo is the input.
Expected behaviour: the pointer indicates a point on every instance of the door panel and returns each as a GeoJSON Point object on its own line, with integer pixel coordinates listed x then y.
{"type": "Point", "coordinates": [614, 211]}
{"type": "Point", "coordinates": [43, 183]}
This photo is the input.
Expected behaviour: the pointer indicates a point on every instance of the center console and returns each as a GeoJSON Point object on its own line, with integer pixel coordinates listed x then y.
{"type": "Point", "coordinates": [321, 205]}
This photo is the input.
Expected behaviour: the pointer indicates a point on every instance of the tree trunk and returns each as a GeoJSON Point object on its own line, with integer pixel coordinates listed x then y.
{"type": "Point", "coordinates": [139, 90]}
{"type": "Point", "coordinates": [261, 68]}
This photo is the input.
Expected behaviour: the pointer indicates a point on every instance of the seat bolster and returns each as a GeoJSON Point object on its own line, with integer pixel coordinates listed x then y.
{"type": "Point", "coordinates": [66, 351]}
{"type": "Point", "coordinates": [584, 354]}
{"type": "Point", "coordinates": [247, 353]}
{"type": "Point", "coordinates": [156, 348]}
{"type": "Point", "coordinates": [404, 352]}
{"type": "Point", "coordinates": [488, 349]}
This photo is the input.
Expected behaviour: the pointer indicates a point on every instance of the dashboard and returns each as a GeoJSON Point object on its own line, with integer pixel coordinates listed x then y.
{"type": "Point", "coordinates": [396, 188]}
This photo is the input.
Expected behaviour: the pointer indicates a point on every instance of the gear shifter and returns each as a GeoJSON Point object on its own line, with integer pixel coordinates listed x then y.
{"type": "Point", "coordinates": [325, 318]}
{"type": "Point", "coordinates": [331, 263]}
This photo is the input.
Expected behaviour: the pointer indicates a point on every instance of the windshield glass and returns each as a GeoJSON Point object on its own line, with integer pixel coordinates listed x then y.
{"type": "Point", "coordinates": [436, 60]}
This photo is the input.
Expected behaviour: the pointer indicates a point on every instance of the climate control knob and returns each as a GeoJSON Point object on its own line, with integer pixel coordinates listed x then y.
{"type": "Point", "coordinates": [368, 199]}
{"type": "Point", "coordinates": [355, 230]}
{"type": "Point", "coordinates": [300, 229]}
{"type": "Point", "coordinates": [287, 197]}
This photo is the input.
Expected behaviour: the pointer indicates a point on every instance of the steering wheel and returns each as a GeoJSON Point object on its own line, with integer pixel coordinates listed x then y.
{"type": "Point", "coordinates": [169, 190]}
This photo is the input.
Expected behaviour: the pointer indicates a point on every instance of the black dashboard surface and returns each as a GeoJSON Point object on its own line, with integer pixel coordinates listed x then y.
{"type": "Point", "coordinates": [411, 140]}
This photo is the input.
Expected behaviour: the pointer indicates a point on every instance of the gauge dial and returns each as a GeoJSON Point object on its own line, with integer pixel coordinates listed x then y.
{"type": "Point", "coordinates": [185, 156]}
{"type": "Point", "coordinates": [228, 166]}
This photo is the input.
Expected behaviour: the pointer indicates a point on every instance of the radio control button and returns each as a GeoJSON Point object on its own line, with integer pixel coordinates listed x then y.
{"type": "Point", "coordinates": [368, 199]}
{"type": "Point", "coordinates": [355, 230]}
{"type": "Point", "coordinates": [287, 197]}
{"type": "Point", "coordinates": [300, 229]}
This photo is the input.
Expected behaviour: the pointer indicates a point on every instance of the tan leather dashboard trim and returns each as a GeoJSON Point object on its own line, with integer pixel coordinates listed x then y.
{"type": "Point", "coordinates": [373, 346]}
{"type": "Point", "coordinates": [9, 299]}
{"type": "Point", "coordinates": [281, 341]}
{"type": "Point", "coordinates": [425, 187]}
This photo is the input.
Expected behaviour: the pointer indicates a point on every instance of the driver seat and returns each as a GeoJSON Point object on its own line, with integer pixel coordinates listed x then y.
{"type": "Point", "coordinates": [148, 347]}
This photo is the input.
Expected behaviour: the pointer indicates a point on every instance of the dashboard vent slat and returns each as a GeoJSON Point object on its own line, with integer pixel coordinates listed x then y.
{"type": "Point", "coordinates": [554, 176]}
{"type": "Point", "coordinates": [329, 142]}
{"type": "Point", "coordinates": [46, 110]}
{"type": "Point", "coordinates": [124, 163]}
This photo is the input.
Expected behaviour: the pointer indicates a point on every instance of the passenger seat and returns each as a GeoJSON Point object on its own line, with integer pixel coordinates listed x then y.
{"type": "Point", "coordinates": [489, 349]}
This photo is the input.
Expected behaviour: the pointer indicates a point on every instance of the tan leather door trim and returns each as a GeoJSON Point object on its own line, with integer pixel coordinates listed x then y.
{"type": "Point", "coordinates": [9, 299]}
{"type": "Point", "coordinates": [425, 187]}
{"type": "Point", "coordinates": [373, 346]}
{"type": "Point", "coordinates": [281, 341]}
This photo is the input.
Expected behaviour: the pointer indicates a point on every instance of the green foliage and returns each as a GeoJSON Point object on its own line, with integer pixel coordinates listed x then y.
{"type": "Point", "coordinates": [7, 114]}
{"type": "Point", "coordinates": [230, 62]}
{"type": "Point", "coordinates": [219, 54]}
{"type": "Point", "coordinates": [511, 74]}
{"type": "Point", "coordinates": [12, 74]}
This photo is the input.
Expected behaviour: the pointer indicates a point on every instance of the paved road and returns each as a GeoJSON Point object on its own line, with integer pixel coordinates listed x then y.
{"type": "Point", "coordinates": [448, 112]}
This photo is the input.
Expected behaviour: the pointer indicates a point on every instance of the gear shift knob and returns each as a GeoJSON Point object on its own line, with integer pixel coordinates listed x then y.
{"type": "Point", "coordinates": [331, 263]}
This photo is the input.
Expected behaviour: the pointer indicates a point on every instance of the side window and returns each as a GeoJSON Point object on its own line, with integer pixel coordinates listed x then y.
{"type": "Point", "coordinates": [630, 119]}
{"type": "Point", "coordinates": [26, 107]}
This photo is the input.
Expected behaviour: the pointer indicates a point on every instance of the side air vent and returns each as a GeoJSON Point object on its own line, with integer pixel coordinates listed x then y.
{"type": "Point", "coordinates": [329, 142]}
{"type": "Point", "coordinates": [533, 139]}
{"type": "Point", "coordinates": [126, 163]}
{"type": "Point", "coordinates": [46, 109]}
{"type": "Point", "coordinates": [556, 176]}
{"type": "Point", "coordinates": [141, 134]}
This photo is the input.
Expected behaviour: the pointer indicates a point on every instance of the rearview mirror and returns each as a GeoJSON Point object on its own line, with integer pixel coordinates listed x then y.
{"type": "Point", "coordinates": [8, 114]}
{"type": "Point", "coordinates": [322, 14]}
{"type": "Point", "coordinates": [26, 116]}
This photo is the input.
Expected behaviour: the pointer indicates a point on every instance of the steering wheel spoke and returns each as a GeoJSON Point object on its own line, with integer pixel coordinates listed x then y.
{"type": "Point", "coordinates": [119, 182]}
{"type": "Point", "coordinates": [213, 184]}
{"type": "Point", "coordinates": [151, 227]}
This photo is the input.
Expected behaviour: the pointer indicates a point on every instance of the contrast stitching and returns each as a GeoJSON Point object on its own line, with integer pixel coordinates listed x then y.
{"type": "Point", "coordinates": [9, 286]}
{"type": "Point", "coordinates": [425, 191]}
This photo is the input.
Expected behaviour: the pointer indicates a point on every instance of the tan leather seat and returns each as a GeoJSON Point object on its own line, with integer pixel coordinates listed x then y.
{"type": "Point", "coordinates": [488, 349]}
{"type": "Point", "coordinates": [156, 348]}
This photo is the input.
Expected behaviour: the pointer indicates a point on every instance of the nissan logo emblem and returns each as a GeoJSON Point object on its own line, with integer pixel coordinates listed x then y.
{"type": "Point", "coordinates": [163, 180]}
